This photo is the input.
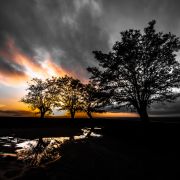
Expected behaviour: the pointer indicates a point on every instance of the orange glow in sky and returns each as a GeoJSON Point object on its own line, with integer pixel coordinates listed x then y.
{"type": "Point", "coordinates": [17, 80]}
{"type": "Point", "coordinates": [103, 115]}
{"type": "Point", "coordinates": [44, 68]}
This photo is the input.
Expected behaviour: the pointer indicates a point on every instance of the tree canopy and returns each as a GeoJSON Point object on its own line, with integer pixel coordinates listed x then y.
{"type": "Point", "coordinates": [140, 69]}
{"type": "Point", "coordinates": [93, 100]}
{"type": "Point", "coordinates": [40, 96]}
{"type": "Point", "coordinates": [69, 94]}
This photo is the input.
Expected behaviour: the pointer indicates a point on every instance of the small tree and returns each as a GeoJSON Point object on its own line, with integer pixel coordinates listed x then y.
{"type": "Point", "coordinates": [93, 99]}
{"type": "Point", "coordinates": [40, 96]}
{"type": "Point", "coordinates": [69, 99]}
{"type": "Point", "coordinates": [140, 69]}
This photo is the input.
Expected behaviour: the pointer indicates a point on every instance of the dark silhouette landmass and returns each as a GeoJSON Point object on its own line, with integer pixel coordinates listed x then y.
{"type": "Point", "coordinates": [128, 149]}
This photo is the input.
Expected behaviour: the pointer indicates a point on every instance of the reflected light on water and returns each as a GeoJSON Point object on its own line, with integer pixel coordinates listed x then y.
{"type": "Point", "coordinates": [29, 152]}
{"type": "Point", "coordinates": [86, 131]}
{"type": "Point", "coordinates": [34, 156]}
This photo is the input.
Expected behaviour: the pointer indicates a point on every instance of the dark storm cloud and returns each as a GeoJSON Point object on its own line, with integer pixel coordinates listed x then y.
{"type": "Point", "coordinates": [10, 68]}
{"type": "Point", "coordinates": [68, 30]}
{"type": "Point", "coordinates": [136, 14]}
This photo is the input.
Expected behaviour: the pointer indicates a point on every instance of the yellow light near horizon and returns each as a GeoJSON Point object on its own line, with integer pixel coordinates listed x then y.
{"type": "Point", "coordinates": [104, 115]}
{"type": "Point", "coordinates": [14, 105]}
{"type": "Point", "coordinates": [116, 114]}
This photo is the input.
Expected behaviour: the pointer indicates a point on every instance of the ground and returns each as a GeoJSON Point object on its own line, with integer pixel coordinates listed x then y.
{"type": "Point", "coordinates": [128, 149]}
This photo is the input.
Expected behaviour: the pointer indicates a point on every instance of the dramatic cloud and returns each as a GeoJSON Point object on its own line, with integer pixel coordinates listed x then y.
{"type": "Point", "coordinates": [10, 73]}
{"type": "Point", "coordinates": [69, 30]}
{"type": "Point", "coordinates": [18, 67]}
{"type": "Point", "coordinates": [66, 30]}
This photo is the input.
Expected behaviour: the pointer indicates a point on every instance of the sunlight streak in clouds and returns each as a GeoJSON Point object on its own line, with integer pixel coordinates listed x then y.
{"type": "Point", "coordinates": [13, 79]}
{"type": "Point", "coordinates": [29, 67]}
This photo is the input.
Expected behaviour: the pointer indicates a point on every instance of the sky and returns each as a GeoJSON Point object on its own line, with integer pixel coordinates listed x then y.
{"type": "Point", "coordinates": [45, 38]}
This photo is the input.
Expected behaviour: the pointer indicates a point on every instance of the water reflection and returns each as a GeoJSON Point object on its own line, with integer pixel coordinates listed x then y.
{"type": "Point", "coordinates": [8, 145]}
{"type": "Point", "coordinates": [88, 131]}
{"type": "Point", "coordinates": [29, 152]}
{"type": "Point", "coordinates": [34, 156]}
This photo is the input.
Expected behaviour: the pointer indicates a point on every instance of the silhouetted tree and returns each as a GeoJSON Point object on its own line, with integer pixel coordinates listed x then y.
{"type": "Point", "coordinates": [41, 96]}
{"type": "Point", "coordinates": [92, 100]}
{"type": "Point", "coordinates": [140, 69]}
{"type": "Point", "coordinates": [70, 90]}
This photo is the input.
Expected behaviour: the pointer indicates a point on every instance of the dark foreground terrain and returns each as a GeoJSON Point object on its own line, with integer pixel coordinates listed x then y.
{"type": "Point", "coordinates": [128, 149]}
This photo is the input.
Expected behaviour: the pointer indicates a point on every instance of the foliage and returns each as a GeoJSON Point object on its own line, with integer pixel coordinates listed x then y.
{"type": "Point", "coordinates": [69, 94]}
{"type": "Point", "coordinates": [41, 96]}
{"type": "Point", "coordinates": [93, 100]}
{"type": "Point", "coordinates": [140, 69]}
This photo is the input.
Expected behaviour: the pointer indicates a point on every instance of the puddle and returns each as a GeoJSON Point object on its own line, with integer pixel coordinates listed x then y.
{"type": "Point", "coordinates": [30, 152]}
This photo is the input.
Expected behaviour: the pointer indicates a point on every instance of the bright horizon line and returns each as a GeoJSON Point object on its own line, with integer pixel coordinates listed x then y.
{"type": "Point", "coordinates": [25, 113]}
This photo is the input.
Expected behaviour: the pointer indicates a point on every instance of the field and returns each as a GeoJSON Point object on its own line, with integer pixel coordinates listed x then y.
{"type": "Point", "coordinates": [127, 149]}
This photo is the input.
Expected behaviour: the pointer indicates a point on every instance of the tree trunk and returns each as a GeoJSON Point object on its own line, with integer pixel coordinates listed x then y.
{"type": "Point", "coordinates": [91, 125]}
{"type": "Point", "coordinates": [42, 114]}
{"type": "Point", "coordinates": [89, 115]}
{"type": "Point", "coordinates": [41, 142]}
{"type": "Point", "coordinates": [40, 145]}
{"type": "Point", "coordinates": [144, 115]}
{"type": "Point", "coordinates": [71, 138]}
{"type": "Point", "coordinates": [72, 114]}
